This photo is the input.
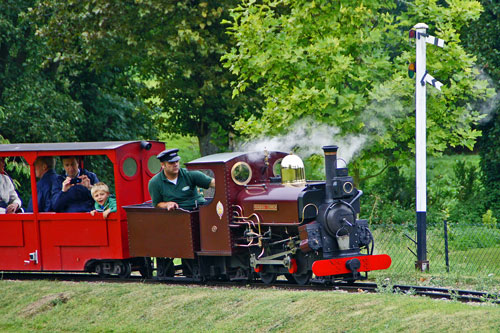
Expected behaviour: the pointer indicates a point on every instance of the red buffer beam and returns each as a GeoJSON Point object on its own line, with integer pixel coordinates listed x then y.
{"type": "Point", "coordinates": [338, 266]}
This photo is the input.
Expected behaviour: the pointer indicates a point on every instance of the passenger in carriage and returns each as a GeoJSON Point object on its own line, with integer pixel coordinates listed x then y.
{"type": "Point", "coordinates": [74, 194]}
{"type": "Point", "coordinates": [9, 199]}
{"type": "Point", "coordinates": [104, 203]}
{"type": "Point", "coordinates": [47, 185]}
{"type": "Point", "coordinates": [174, 187]}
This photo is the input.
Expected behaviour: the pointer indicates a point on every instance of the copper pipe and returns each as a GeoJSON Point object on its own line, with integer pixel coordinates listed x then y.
{"type": "Point", "coordinates": [261, 254]}
{"type": "Point", "coordinates": [304, 209]}
{"type": "Point", "coordinates": [241, 209]}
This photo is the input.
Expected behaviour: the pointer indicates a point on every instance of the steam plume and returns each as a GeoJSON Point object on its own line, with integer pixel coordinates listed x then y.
{"type": "Point", "coordinates": [307, 138]}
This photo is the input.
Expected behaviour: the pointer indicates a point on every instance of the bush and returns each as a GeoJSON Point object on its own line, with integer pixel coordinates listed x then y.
{"type": "Point", "coordinates": [453, 193]}
{"type": "Point", "coordinates": [489, 220]}
{"type": "Point", "coordinates": [490, 164]}
{"type": "Point", "coordinates": [472, 237]}
{"type": "Point", "coordinates": [468, 206]}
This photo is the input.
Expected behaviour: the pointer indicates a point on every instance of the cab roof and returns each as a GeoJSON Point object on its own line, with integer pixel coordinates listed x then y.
{"type": "Point", "coordinates": [226, 157]}
{"type": "Point", "coordinates": [217, 158]}
{"type": "Point", "coordinates": [63, 146]}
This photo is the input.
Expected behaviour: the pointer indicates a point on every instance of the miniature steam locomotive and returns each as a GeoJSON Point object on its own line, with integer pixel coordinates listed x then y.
{"type": "Point", "coordinates": [263, 219]}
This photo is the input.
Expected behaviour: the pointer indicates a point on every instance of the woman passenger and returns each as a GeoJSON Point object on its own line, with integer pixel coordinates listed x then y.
{"type": "Point", "coordinates": [9, 199]}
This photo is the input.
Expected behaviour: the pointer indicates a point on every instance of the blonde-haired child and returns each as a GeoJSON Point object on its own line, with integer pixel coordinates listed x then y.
{"type": "Point", "coordinates": [103, 202]}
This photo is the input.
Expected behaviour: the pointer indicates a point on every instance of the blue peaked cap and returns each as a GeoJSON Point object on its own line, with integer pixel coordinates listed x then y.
{"type": "Point", "coordinates": [169, 155]}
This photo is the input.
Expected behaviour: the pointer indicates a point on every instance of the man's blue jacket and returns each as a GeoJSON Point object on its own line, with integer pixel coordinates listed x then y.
{"type": "Point", "coordinates": [46, 188]}
{"type": "Point", "coordinates": [77, 198]}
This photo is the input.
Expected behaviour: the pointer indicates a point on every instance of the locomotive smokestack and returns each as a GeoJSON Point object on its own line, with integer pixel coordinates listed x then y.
{"type": "Point", "coordinates": [330, 170]}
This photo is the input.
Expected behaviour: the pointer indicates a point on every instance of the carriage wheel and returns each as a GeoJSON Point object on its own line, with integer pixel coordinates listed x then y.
{"type": "Point", "coordinates": [100, 270]}
{"type": "Point", "coordinates": [123, 269]}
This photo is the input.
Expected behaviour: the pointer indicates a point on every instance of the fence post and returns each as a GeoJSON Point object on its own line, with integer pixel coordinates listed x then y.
{"type": "Point", "coordinates": [446, 246]}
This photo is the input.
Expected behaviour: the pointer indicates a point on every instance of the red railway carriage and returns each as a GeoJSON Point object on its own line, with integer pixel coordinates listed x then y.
{"type": "Point", "coordinates": [49, 241]}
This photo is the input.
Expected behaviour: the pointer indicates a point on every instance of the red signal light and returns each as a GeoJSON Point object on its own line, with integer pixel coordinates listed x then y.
{"type": "Point", "coordinates": [412, 34]}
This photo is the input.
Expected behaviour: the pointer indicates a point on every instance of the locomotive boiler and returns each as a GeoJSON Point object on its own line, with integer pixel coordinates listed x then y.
{"type": "Point", "coordinates": [264, 220]}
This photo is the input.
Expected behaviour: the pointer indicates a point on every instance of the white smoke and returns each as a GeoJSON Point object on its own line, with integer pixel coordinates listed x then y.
{"type": "Point", "coordinates": [306, 138]}
{"type": "Point", "coordinates": [487, 108]}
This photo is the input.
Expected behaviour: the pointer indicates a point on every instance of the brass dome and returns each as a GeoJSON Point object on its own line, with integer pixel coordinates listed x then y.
{"type": "Point", "coordinates": [292, 171]}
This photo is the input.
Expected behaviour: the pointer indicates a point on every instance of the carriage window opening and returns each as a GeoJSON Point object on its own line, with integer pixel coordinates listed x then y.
{"type": "Point", "coordinates": [277, 167]}
{"type": "Point", "coordinates": [102, 166]}
{"type": "Point", "coordinates": [154, 165]}
{"type": "Point", "coordinates": [241, 173]}
{"type": "Point", "coordinates": [129, 167]}
{"type": "Point", "coordinates": [97, 168]}
{"type": "Point", "coordinates": [16, 171]}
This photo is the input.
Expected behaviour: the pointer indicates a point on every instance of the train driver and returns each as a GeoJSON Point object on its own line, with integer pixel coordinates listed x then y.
{"type": "Point", "coordinates": [175, 187]}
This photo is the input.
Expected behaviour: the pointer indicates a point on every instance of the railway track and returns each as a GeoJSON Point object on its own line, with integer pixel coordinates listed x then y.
{"type": "Point", "coordinates": [317, 285]}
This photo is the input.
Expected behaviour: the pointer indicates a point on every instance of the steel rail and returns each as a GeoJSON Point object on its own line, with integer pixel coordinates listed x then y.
{"type": "Point", "coordinates": [316, 285]}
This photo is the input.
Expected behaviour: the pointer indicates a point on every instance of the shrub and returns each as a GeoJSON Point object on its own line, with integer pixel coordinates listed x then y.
{"type": "Point", "coordinates": [473, 237]}
{"type": "Point", "coordinates": [489, 220]}
{"type": "Point", "coordinates": [468, 206]}
{"type": "Point", "coordinates": [454, 193]}
{"type": "Point", "coordinates": [489, 145]}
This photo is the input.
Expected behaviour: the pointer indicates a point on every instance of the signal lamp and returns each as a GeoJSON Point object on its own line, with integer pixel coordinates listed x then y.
{"type": "Point", "coordinates": [412, 34]}
{"type": "Point", "coordinates": [411, 70]}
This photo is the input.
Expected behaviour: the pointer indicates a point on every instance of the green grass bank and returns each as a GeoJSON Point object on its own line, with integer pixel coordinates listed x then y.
{"type": "Point", "coordinates": [27, 306]}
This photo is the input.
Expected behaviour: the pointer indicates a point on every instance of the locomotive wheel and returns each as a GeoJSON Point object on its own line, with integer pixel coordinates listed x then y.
{"type": "Point", "coordinates": [187, 267]}
{"type": "Point", "coordinates": [300, 279]}
{"type": "Point", "coordinates": [267, 278]}
{"type": "Point", "coordinates": [191, 269]}
{"type": "Point", "coordinates": [146, 270]}
{"type": "Point", "coordinates": [165, 267]}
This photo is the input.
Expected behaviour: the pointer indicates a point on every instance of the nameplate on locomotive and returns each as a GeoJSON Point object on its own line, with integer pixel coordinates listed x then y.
{"type": "Point", "coordinates": [265, 207]}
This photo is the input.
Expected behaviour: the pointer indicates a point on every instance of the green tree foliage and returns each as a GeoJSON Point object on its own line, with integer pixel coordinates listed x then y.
{"type": "Point", "coordinates": [483, 39]}
{"type": "Point", "coordinates": [468, 205]}
{"type": "Point", "coordinates": [344, 63]}
{"type": "Point", "coordinates": [173, 46]}
{"type": "Point", "coordinates": [112, 108]}
{"type": "Point", "coordinates": [33, 106]}
{"type": "Point", "coordinates": [43, 101]}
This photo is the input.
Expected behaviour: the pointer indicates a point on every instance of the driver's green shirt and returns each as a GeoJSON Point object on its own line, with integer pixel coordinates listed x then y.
{"type": "Point", "coordinates": [185, 192]}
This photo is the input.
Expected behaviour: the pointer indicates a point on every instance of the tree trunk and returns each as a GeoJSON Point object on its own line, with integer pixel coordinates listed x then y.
{"type": "Point", "coordinates": [206, 146]}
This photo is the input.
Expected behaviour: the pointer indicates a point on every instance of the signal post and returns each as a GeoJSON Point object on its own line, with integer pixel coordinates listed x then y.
{"type": "Point", "coordinates": [419, 32]}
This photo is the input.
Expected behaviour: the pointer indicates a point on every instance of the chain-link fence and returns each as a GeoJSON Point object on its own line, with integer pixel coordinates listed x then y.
{"type": "Point", "coordinates": [468, 250]}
